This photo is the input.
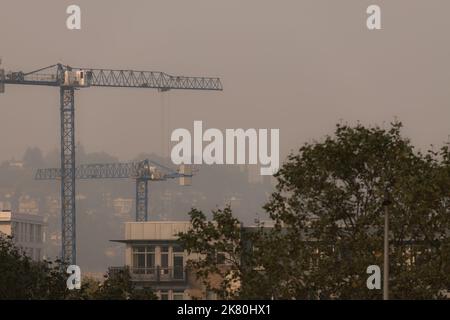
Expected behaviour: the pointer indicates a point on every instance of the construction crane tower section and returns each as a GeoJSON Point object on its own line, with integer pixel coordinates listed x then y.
{"type": "Point", "coordinates": [69, 79]}
{"type": "Point", "coordinates": [141, 171]}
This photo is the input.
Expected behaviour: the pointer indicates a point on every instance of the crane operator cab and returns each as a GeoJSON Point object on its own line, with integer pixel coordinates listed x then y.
{"type": "Point", "coordinates": [79, 78]}
{"type": "Point", "coordinates": [155, 174]}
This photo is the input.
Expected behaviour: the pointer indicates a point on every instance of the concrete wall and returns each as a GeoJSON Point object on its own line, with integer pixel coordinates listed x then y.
{"type": "Point", "coordinates": [155, 230]}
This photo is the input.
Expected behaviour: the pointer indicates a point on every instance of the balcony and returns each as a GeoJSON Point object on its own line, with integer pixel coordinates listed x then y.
{"type": "Point", "coordinates": [157, 274]}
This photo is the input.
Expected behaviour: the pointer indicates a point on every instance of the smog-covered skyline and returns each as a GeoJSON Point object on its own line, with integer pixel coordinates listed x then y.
{"type": "Point", "coordinates": [297, 66]}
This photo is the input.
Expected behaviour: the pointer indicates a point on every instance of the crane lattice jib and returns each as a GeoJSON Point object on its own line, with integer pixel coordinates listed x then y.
{"type": "Point", "coordinates": [134, 170]}
{"type": "Point", "coordinates": [54, 76]}
{"type": "Point", "coordinates": [141, 171]}
{"type": "Point", "coordinates": [150, 79]}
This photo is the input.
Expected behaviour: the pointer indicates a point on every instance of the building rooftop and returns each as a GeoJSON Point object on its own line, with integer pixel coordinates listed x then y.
{"type": "Point", "coordinates": [7, 215]}
{"type": "Point", "coordinates": [154, 230]}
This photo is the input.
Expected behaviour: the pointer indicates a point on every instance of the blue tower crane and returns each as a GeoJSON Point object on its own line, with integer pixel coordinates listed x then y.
{"type": "Point", "coordinates": [141, 171]}
{"type": "Point", "coordinates": [69, 79]}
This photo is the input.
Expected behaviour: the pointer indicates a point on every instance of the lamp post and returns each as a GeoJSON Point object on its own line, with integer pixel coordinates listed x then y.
{"type": "Point", "coordinates": [386, 247]}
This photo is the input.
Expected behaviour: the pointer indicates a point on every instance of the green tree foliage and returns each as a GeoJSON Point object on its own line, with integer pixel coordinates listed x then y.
{"type": "Point", "coordinates": [118, 286]}
{"type": "Point", "coordinates": [219, 246]}
{"type": "Point", "coordinates": [21, 278]}
{"type": "Point", "coordinates": [33, 158]}
{"type": "Point", "coordinates": [24, 279]}
{"type": "Point", "coordinates": [328, 212]}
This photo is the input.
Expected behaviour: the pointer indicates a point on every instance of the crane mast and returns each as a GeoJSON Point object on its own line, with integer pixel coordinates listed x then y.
{"type": "Point", "coordinates": [69, 79]}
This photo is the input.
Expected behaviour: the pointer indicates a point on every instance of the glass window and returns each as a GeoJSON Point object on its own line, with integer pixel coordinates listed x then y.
{"type": "Point", "coordinates": [150, 259]}
{"type": "Point", "coordinates": [39, 233]}
{"type": "Point", "coordinates": [143, 259]}
{"type": "Point", "coordinates": [178, 295]}
{"type": "Point", "coordinates": [178, 267]}
{"type": "Point", "coordinates": [164, 260]}
{"type": "Point", "coordinates": [165, 257]}
{"type": "Point", "coordinates": [31, 232]}
{"type": "Point", "coordinates": [164, 295]}
{"type": "Point", "coordinates": [210, 295]}
{"type": "Point", "coordinates": [140, 261]}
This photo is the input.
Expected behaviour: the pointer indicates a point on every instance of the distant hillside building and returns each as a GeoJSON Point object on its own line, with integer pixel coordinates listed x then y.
{"type": "Point", "coordinates": [15, 164]}
{"type": "Point", "coordinates": [122, 206]}
{"type": "Point", "coordinates": [28, 205]}
{"type": "Point", "coordinates": [27, 231]}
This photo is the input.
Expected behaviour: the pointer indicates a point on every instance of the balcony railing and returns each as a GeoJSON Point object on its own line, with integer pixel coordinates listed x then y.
{"type": "Point", "coordinates": [156, 274]}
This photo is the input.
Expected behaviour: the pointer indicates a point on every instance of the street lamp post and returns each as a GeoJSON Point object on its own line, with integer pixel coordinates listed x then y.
{"type": "Point", "coordinates": [386, 250]}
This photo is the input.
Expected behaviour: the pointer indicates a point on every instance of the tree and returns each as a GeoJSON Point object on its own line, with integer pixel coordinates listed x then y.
{"type": "Point", "coordinates": [118, 286]}
{"type": "Point", "coordinates": [328, 214]}
{"type": "Point", "coordinates": [22, 278]}
{"type": "Point", "coordinates": [330, 198]}
{"type": "Point", "coordinates": [219, 245]}
{"type": "Point", "coordinates": [33, 158]}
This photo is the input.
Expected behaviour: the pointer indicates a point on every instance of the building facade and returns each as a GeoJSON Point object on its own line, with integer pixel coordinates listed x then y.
{"type": "Point", "coordinates": [155, 260]}
{"type": "Point", "coordinates": [27, 232]}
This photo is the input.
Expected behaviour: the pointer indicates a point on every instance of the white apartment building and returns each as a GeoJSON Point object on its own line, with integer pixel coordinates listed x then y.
{"type": "Point", "coordinates": [156, 260]}
{"type": "Point", "coordinates": [27, 231]}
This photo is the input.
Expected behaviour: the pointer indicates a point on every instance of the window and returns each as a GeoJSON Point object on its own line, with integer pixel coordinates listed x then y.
{"type": "Point", "coordinates": [165, 257]}
{"type": "Point", "coordinates": [143, 259]}
{"type": "Point", "coordinates": [32, 228]}
{"type": "Point", "coordinates": [164, 260]}
{"type": "Point", "coordinates": [150, 257]}
{"type": "Point", "coordinates": [178, 266]}
{"type": "Point", "coordinates": [38, 233]}
{"type": "Point", "coordinates": [164, 295]}
{"type": "Point", "coordinates": [210, 295]}
{"type": "Point", "coordinates": [178, 295]}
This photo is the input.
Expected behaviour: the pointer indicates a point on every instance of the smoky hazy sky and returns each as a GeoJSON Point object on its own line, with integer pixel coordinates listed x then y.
{"type": "Point", "coordinates": [300, 65]}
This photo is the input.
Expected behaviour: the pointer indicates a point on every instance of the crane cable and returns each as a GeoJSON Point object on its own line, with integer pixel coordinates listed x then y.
{"type": "Point", "coordinates": [165, 124]}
